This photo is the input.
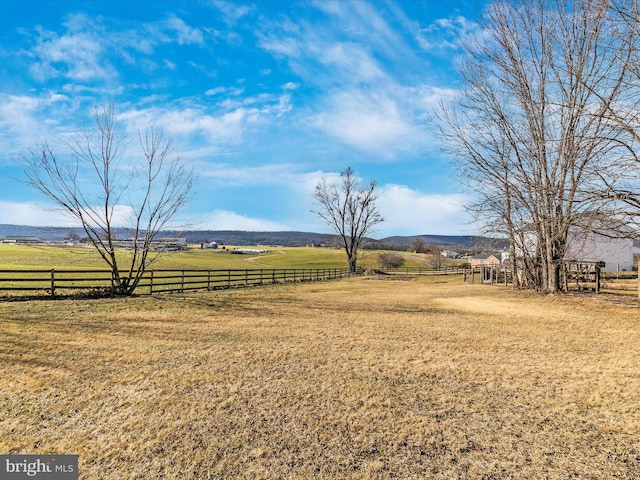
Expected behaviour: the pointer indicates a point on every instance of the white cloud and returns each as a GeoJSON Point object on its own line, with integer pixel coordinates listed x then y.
{"type": "Point", "coordinates": [183, 33]}
{"type": "Point", "coordinates": [227, 220]}
{"type": "Point", "coordinates": [75, 55]}
{"type": "Point", "coordinates": [365, 23]}
{"type": "Point", "coordinates": [448, 34]}
{"type": "Point", "coordinates": [232, 10]}
{"type": "Point", "coordinates": [350, 61]}
{"type": "Point", "coordinates": [364, 72]}
{"type": "Point", "coordinates": [233, 91]}
{"type": "Point", "coordinates": [371, 122]}
{"type": "Point", "coordinates": [44, 214]}
{"type": "Point", "coordinates": [231, 175]}
{"type": "Point", "coordinates": [292, 48]}
{"type": "Point", "coordinates": [228, 123]}
{"type": "Point", "coordinates": [16, 111]}
{"type": "Point", "coordinates": [82, 52]}
{"type": "Point", "coordinates": [410, 212]}
{"type": "Point", "coordinates": [26, 120]}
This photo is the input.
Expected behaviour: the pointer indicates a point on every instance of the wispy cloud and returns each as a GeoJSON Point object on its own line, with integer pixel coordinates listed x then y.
{"type": "Point", "coordinates": [27, 120]}
{"type": "Point", "coordinates": [232, 10]}
{"type": "Point", "coordinates": [371, 122]}
{"type": "Point", "coordinates": [78, 54]}
{"type": "Point", "coordinates": [229, 220]}
{"type": "Point", "coordinates": [371, 93]}
{"type": "Point", "coordinates": [230, 91]}
{"type": "Point", "coordinates": [88, 49]}
{"type": "Point", "coordinates": [227, 175]}
{"type": "Point", "coordinates": [448, 34]}
{"type": "Point", "coordinates": [226, 123]}
{"type": "Point", "coordinates": [183, 33]}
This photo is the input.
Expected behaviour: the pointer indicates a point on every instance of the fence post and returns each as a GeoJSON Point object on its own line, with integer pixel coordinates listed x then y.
{"type": "Point", "coordinates": [151, 283]}
{"type": "Point", "coordinates": [597, 279]}
{"type": "Point", "coordinates": [182, 282]}
{"type": "Point", "coordinates": [53, 283]}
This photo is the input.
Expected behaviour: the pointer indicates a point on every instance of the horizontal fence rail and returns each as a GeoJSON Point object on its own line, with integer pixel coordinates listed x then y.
{"type": "Point", "coordinates": [55, 282]}
{"type": "Point", "coordinates": [422, 270]}
{"type": "Point", "coordinates": [623, 283]}
{"type": "Point", "coordinates": [620, 282]}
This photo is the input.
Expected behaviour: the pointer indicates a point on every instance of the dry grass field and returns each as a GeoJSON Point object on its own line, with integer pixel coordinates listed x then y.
{"type": "Point", "coordinates": [350, 379]}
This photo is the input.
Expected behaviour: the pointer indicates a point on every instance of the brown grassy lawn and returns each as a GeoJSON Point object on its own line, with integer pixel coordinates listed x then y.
{"type": "Point", "coordinates": [358, 378]}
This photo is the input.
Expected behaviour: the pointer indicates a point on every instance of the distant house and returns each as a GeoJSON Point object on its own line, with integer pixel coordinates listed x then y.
{"type": "Point", "coordinates": [484, 259]}
{"type": "Point", "coordinates": [169, 243]}
{"type": "Point", "coordinates": [450, 254]}
{"type": "Point", "coordinates": [21, 240]}
{"type": "Point", "coordinates": [159, 244]}
{"type": "Point", "coordinates": [209, 245]}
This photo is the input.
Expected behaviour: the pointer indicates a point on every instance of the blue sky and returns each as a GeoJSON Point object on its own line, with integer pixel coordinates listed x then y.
{"type": "Point", "coordinates": [263, 99]}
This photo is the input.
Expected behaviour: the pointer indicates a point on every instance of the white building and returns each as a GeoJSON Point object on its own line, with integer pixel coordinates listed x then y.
{"type": "Point", "coordinates": [616, 253]}
{"type": "Point", "coordinates": [585, 246]}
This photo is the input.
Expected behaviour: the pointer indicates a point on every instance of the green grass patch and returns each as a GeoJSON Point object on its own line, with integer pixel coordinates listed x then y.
{"type": "Point", "coordinates": [37, 257]}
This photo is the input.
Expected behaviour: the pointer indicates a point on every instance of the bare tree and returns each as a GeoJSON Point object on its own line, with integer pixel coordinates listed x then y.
{"type": "Point", "coordinates": [418, 245]}
{"type": "Point", "coordinates": [350, 209]}
{"type": "Point", "coordinates": [92, 184]}
{"type": "Point", "coordinates": [390, 260]}
{"type": "Point", "coordinates": [531, 133]}
{"type": "Point", "coordinates": [622, 185]}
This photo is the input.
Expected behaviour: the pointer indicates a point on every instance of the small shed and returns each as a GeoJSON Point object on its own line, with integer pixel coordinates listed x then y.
{"type": "Point", "coordinates": [484, 259]}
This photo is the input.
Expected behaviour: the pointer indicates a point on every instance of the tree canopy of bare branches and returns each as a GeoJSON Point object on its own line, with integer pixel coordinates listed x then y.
{"type": "Point", "coordinates": [535, 133]}
{"type": "Point", "coordinates": [350, 209]}
{"type": "Point", "coordinates": [94, 183]}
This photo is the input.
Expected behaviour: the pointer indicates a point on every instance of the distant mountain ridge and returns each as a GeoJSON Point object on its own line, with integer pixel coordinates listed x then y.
{"type": "Point", "coordinates": [239, 237]}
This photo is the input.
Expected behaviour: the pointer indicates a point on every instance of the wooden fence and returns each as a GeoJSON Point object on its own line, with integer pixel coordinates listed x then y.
{"type": "Point", "coordinates": [422, 270]}
{"type": "Point", "coordinates": [585, 276]}
{"type": "Point", "coordinates": [623, 283]}
{"type": "Point", "coordinates": [56, 282]}
{"type": "Point", "coordinates": [575, 276]}
{"type": "Point", "coordinates": [488, 274]}
{"type": "Point", "coordinates": [60, 282]}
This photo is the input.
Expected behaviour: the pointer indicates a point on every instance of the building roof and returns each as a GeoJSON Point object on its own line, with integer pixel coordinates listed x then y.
{"type": "Point", "coordinates": [21, 238]}
{"type": "Point", "coordinates": [483, 256]}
